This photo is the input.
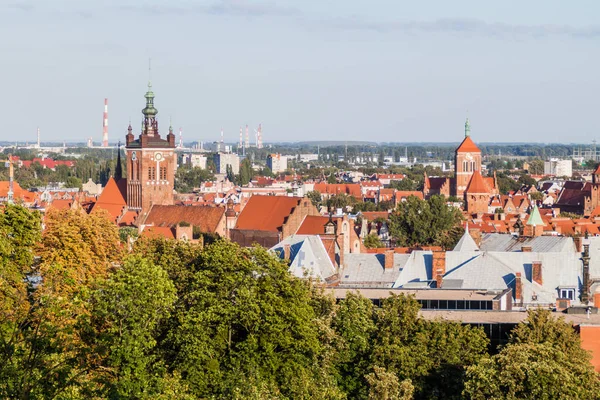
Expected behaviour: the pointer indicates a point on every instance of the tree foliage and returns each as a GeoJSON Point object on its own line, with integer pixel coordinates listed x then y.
{"type": "Point", "coordinates": [425, 222]}
{"type": "Point", "coordinates": [372, 241]}
{"type": "Point", "coordinates": [543, 360]}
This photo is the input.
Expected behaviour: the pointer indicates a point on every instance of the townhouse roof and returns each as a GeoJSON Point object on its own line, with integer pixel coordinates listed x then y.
{"type": "Point", "coordinates": [308, 257]}
{"type": "Point", "coordinates": [312, 225]}
{"type": "Point", "coordinates": [466, 242]}
{"type": "Point", "coordinates": [351, 189]}
{"type": "Point", "coordinates": [509, 243]}
{"type": "Point", "coordinates": [267, 213]}
{"type": "Point", "coordinates": [158, 232]}
{"type": "Point", "coordinates": [207, 218]}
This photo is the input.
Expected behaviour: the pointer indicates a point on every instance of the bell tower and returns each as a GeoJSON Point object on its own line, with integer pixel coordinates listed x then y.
{"type": "Point", "coordinates": [467, 160]}
{"type": "Point", "coordinates": [151, 162]}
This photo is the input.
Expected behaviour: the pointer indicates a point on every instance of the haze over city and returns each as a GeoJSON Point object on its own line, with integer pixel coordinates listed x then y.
{"type": "Point", "coordinates": [307, 70]}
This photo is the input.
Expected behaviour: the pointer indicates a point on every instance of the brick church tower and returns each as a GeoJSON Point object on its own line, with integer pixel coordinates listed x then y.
{"type": "Point", "coordinates": [151, 162]}
{"type": "Point", "coordinates": [467, 160]}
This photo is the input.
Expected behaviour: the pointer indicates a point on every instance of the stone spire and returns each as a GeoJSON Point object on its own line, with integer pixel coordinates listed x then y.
{"type": "Point", "coordinates": [119, 167]}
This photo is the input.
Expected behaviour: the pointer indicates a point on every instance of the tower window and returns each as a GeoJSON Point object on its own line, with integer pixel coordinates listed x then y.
{"type": "Point", "coordinates": [152, 173]}
{"type": "Point", "coordinates": [163, 173]}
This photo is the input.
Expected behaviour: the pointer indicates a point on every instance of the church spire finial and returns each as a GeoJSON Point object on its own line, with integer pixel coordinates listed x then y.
{"type": "Point", "coordinates": [467, 128]}
{"type": "Point", "coordinates": [149, 73]}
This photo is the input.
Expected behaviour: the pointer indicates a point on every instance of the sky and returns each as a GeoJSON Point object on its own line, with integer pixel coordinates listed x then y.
{"type": "Point", "coordinates": [378, 70]}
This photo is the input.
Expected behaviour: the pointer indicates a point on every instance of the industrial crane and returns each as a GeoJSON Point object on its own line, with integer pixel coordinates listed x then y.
{"type": "Point", "coordinates": [8, 163]}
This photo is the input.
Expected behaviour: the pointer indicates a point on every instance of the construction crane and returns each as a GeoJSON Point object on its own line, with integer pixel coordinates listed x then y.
{"type": "Point", "coordinates": [8, 163]}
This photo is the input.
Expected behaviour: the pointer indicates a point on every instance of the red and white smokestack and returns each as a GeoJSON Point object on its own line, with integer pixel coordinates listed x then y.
{"type": "Point", "coordinates": [180, 139]}
{"type": "Point", "coordinates": [105, 125]}
{"type": "Point", "coordinates": [247, 137]}
{"type": "Point", "coordinates": [260, 144]}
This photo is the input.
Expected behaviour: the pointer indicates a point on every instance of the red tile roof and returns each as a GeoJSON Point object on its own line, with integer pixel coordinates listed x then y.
{"type": "Point", "coordinates": [477, 184]}
{"type": "Point", "coordinates": [468, 146]}
{"type": "Point", "coordinates": [158, 232]}
{"type": "Point", "coordinates": [112, 198]}
{"type": "Point", "coordinates": [205, 217]}
{"type": "Point", "coordinates": [372, 215]}
{"type": "Point", "coordinates": [402, 194]}
{"type": "Point", "coordinates": [313, 225]}
{"type": "Point", "coordinates": [18, 192]}
{"type": "Point", "coordinates": [266, 213]}
{"type": "Point", "coordinates": [352, 189]}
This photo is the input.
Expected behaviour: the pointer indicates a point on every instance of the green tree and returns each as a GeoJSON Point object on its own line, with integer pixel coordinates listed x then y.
{"type": "Point", "coordinates": [385, 386]}
{"type": "Point", "coordinates": [543, 360]}
{"type": "Point", "coordinates": [247, 326]}
{"type": "Point", "coordinates": [432, 354]}
{"type": "Point", "coordinates": [246, 172]}
{"type": "Point", "coordinates": [315, 197]}
{"type": "Point", "coordinates": [127, 311]}
{"type": "Point", "coordinates": [355, 326]}
{"type": "Point", "coordinates": [425, 222]}
{"type": "Point", "coordinates": [372, 241]}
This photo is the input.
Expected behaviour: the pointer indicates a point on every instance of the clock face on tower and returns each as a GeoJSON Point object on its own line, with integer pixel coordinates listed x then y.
{"type": "Point", "coordinates": [158, 156]}
{"type": "Point", "coordinates": [468, 156]}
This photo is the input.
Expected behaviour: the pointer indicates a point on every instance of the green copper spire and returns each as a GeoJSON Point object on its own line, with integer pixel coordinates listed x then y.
{"type": "Point", "coordinates": [149, 111]}
{"type": "Point", "coordinates": [535, 218]}
{"type": "Point", "coordinates": [467, 128]}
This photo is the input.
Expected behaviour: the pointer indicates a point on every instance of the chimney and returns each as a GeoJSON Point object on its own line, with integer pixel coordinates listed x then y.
{"type": "Point", "coordinates": [439, 275]}
{"type": "Point", "coordinates": [536, 272]}
{"type": "Point", "coordinates": [439, 262]}
{"type": "Point", "coordinates": [518, 288]}
{"type": "Point", "coordinates": [526, 249]}
{"type": "Point", "coordinates": [578, 240]}
{"type": "Point", "coordinates": [388, 259]}
{"type": "Point", "coordinates": [287, 251]}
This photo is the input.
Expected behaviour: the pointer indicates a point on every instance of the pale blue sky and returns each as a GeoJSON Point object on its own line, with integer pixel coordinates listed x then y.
{"type": "Point", "coordinates": [381, 70]}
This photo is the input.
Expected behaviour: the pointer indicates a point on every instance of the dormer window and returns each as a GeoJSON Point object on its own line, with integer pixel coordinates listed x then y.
{"type": "Point", "coordinates": [566, 293]}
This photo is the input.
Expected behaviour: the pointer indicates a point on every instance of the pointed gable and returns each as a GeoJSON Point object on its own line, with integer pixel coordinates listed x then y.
{"type": "Point", "coordinates": [468, 146]}
{"type": "Point", "coordinates": [112, 198]}
{"type": "Point", "coordinates": [535, 218]}
{"type": "Point", "coordinates": [477, 184]}
{"type": "Point", "coordinates": [466, 242]}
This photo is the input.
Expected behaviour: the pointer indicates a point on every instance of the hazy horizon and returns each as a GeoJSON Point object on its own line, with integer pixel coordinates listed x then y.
{"type": "Point", "coordinates": [308, 71]}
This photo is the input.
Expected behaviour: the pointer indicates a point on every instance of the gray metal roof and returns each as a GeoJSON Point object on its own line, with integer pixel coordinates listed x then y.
{"type": "Point", "coordinates": [509, 243]}
{"type": "Point", "coordinates": [466, 243]}
{"type": "Point", "coordinates": [368, 270]}
{"type": "Point", "coordinates": [308, 257]}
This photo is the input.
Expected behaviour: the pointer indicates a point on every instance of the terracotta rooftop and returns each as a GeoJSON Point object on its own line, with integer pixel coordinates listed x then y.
{"type": "Point", "coordinates": [205, 217]}
{"type": "Point", "coordinates": [477, 184]}
{"type": "Point", "coordinates": [113, 198]}
{"type": "Point", "coordinates": [158, 232]}
{"type": "Point", "coordinates": [266, 213]}
{"type": "Point", "coordinates": [351, 189]}
{"type": "Point", "coordinates": [468, 146]}
{"type": "Point", "coordinates": [313, 225]}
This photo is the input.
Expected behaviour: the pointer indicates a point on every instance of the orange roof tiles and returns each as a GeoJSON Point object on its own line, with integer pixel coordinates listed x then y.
{"type": "Point", "coordinates": [477, 184]}
{"type": "Point", "coordinates": [401, 194]}
{"type": "Point", "coordinates": [113, 198]}
{"type": "Point", "coordinates": [266, 213]}
{"type": "Point", "coordinates": [158, 232]}
{"type": "Point", "coordinates": [468, 146]}
{"type": "Point", "coordinates": [352, 189]}
{"type": "Point", "coordinates": [205, 217]}
{"type": "Point", "coordinates": [313, 225]}
{"type": "Point", "coordinates": [373, 215]}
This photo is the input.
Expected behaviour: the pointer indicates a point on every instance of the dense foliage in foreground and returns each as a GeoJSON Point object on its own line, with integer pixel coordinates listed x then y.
{"type": "Point", "coordinates": [86, 319]}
